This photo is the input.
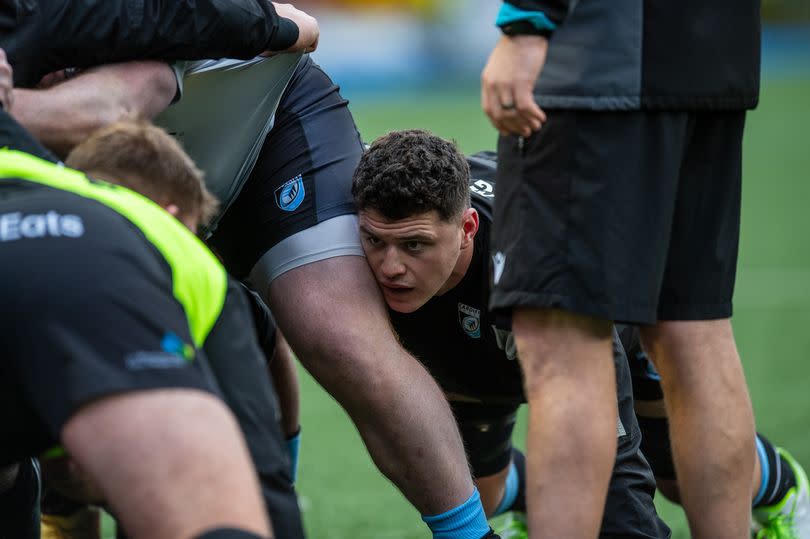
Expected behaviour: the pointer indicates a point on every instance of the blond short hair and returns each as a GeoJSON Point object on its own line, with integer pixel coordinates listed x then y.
{"type": "Point", "coordinates": [146, 159]}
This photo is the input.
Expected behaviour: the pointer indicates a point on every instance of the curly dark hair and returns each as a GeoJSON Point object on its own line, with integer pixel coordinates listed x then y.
{"type": "Point", "coordinates": [408, 172]}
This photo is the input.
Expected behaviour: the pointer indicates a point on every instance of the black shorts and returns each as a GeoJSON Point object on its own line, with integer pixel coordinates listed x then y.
{"type": "Point", "coordinates": [88, 311]}
{"type": "Point", "coordinates": [487, 433]}
{"type": "Point", "coordinates": [303, 174]}
{"type": "Point", "coordinates": [627, 216]}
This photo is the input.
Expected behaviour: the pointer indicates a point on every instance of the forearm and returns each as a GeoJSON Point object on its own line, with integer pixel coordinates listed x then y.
{"type": "Point", "coordinates": [285, 381]}
{"type": "Point", "coordinates": [65, 114]}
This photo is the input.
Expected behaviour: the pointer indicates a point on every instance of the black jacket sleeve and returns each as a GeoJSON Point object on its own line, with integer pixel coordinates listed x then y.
{"type": "Point", "coordinates": [40, 36]}
{"type": "Point", "coordinates": [556, 10]}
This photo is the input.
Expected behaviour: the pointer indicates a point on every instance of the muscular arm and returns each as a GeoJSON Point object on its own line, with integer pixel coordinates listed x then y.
{"type": "Point", "coordinates": [65, 114]}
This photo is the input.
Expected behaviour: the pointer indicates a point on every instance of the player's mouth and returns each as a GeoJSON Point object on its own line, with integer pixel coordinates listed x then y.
{"type": "Point", "coordinates": [396, 289]}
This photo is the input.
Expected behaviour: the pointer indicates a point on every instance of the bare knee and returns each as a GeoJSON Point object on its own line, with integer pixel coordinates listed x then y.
{"type": "Point", "coordinates": [555, 345]}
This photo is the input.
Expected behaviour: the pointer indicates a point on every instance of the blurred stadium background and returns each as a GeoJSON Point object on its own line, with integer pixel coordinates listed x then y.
{"type": "Point", "coordinates": [415, 63]}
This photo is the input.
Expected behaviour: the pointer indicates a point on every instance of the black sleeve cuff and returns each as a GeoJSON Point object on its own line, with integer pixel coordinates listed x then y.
{"type": "Point", "coordinates": [285, 37]}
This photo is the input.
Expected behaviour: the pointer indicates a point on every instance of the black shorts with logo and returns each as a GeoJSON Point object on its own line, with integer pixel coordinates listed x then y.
{"type": "Point", "coordinates": [627, 216]}
{"type": "Point", "coordinates": [88, 311]}
{"type": "Point", "coordinates": [303, 174]}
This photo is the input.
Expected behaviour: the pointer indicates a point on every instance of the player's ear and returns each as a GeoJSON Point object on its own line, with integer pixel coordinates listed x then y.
{"type": "Point", "coordinates": [469, 226]}
{"type": "Point", "coordinates": [173, 209]}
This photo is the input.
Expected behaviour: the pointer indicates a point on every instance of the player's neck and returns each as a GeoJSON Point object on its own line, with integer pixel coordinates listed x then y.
{"type": "Point", "coordinates": [459, 270]}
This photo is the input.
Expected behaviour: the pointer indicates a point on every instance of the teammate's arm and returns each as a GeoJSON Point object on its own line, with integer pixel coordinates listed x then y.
{"type": "Point", "coordinates": [64, 114]}
{"type": "Point", "coordinates": [62, 33]}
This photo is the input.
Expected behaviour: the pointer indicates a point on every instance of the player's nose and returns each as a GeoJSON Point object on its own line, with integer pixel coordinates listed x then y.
{"type": "Point", "coordinates": [391, 265]}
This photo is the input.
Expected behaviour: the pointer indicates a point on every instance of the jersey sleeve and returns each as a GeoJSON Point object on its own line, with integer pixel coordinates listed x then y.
{"type": "Point", "coordinates": [82, 33]}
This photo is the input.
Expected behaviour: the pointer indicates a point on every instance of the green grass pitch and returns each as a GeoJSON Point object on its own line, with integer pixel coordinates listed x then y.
{"type": "Point", "coordinates": [342, 494]}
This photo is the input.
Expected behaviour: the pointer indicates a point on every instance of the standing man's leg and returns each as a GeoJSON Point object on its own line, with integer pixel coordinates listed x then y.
{"type": "Point", "coordinates": [692, 345]}
{"type": "Point", "coordinates": [710, 417]}
{"type": "Point", "coordinates": [568, 372]}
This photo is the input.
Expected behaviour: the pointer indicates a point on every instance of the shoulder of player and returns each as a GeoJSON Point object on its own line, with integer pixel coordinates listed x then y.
{"type": "Point", "coordinates": [483, 166]}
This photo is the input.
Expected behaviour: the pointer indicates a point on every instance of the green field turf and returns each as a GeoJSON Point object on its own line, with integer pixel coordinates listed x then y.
{"type": "Point", "coordinates": [342, 494]}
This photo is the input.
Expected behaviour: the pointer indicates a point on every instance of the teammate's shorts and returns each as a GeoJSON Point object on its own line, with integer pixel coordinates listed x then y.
{"type": "Point", "coordinates": [629, 508]}
{"type": "Point", "coordinates": [628, 216]}
{"type": "Point", "coordinates": [302, 178]}
{"type": "Point", "coordinates": [487, 433]}
{"type": "Point", "coordinates": [88, 311]}
{"type": "Point", "coordinates": [263, 321]}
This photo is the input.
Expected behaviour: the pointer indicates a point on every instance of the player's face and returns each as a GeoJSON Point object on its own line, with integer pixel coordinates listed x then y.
{"type": "Point", "coordinates": [412, 258]}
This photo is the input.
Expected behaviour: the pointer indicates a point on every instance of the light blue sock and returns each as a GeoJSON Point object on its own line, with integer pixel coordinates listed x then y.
{"type": "Point", "coordinates": [467, 521]}
{"type": "Point", "coordinates": [510, 492]}
{"type": "Point", "coordinates": [766, 471]}
{"type": "Point", "coordinates": [293, 447]}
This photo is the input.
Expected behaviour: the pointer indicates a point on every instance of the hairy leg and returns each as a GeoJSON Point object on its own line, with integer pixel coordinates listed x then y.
{"type": "Point", "coordinates": [711, 423]}
{"type": "Point", "coordinates": [159, 458]}
{"type": "Point", "coordinates": [568, 371]}
{"type": "Point", "coordinates": [338, 325]}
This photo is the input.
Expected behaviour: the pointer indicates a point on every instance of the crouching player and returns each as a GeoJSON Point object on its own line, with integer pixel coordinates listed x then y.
{"type": "Point", "coordinates": [424, 227]}
{"type": "Point", "coordinates": [147, 160]}
{"type": "Point", "coordinates": [104, 353]}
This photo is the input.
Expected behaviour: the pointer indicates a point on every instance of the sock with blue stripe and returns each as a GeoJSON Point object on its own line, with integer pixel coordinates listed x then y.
{"type": "Point", "coordinates": [466, 521]}
{"type": "Point", "coordinates": [777, 476]}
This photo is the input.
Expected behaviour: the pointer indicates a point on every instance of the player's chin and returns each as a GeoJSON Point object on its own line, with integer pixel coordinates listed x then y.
{"type": "Point", "coordinates": [402, 300]}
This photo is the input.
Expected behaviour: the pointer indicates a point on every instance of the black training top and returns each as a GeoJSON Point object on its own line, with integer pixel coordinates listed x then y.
{"type": "Point", "coordinates": [40, 36]}
{"type": "Point", "coordinates": [648, 54]}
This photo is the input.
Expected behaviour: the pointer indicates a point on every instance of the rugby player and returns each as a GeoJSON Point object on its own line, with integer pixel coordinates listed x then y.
{"type": "Point", "coordinates": [292, 232]}
{"type": "Point", "coordinates": [102, 358]}
{"type": "Point", "coordinates": [41, 37]}
{"type": "Point", "coordinates": [427, 246]}
{"type": "Point", "coordinates": [438, 306]}
{"type": "Point", "coordinates": [145, 159]}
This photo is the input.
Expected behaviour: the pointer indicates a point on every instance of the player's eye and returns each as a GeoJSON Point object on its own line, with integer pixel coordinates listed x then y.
{"type": "Point", "coordinates": [414, 246]}
{"type": "Point", "coordinates": [372, 240]}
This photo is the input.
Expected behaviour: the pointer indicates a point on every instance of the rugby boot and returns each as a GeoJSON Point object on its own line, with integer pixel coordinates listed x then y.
{"type": "Point", "coordinates": [84, 523]}
{"type": "Point", "coordinates": [513, 526]}
{"type": "Point", "coordinates": [789, 518]}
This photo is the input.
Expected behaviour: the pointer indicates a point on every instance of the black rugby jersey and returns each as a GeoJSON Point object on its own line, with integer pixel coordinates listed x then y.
{"type": "Point", "coordinates": [464, 347]}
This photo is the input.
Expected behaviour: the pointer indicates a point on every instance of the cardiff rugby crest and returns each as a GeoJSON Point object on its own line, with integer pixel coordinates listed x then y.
{"type": "Point", "coordinates": [470, 320]}
{"type": "Point", "coordinates": [290, 194]}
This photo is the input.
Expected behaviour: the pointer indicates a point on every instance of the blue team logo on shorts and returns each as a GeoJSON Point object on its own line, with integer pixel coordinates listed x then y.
{"type": "Point", "coordinates": [291, 194]}
{"type": "Point", "coordinates": [470, 320]}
